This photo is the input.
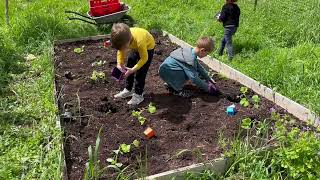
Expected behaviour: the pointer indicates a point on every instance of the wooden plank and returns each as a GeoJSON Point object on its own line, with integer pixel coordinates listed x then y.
{"type": "Point", "coordinates": [219, 166]}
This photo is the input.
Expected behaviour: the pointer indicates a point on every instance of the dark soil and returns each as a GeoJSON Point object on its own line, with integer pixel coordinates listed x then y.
{"type": "Point", "coordinates": [195, 123]}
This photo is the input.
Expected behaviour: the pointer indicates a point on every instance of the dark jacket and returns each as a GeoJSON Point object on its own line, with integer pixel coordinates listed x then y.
{"type": "Point", "coordinates": [230, 15]}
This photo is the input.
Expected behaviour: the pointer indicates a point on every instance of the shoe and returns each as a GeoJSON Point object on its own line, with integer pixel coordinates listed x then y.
{"type": "Point", "coordinates": [183, 93]}
{"type": "Point", "coordinates": [123, 94]}
{"type": "Point", "coordinates": [136, 99]}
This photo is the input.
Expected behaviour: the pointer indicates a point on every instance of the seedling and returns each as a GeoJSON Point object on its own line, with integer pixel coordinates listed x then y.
{"type": "Point", "coordinates": [98, 63]}
{"type": "Point", "coordinates": [97, 76]}
{"type": "Point", "coordinates": [137, 114]}
{"type": "Point", "coordinates": [125, 148]}
{"type": "Point", "coordinates": [244, 100]}
{"type": "Point", "coordinates": [246, 123]}
{"type": "Point", "coordinates": [149, 133]}
{"type": "Point", "coordinates": [152, 109]}
{"type": "Point", "coordinates": [256, 101]}
{"type": "Point", "coordinates": [78, 50]}
{"type": "Point", "coordinates": [136, 143]}
{"type": "Point", "coordinates": [140, 118]}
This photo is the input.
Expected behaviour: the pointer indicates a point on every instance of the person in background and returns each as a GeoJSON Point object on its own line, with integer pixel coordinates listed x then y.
{"type": "Point", "coordinates": [229, 16]}
{"type": "Point", "coordinates": [142, 44]}
{"type": "Point", "coordinates": [183, 65]}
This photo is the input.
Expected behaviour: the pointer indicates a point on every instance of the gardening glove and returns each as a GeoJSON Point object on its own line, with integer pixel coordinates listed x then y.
{"type": "Point", "coordinates": [212, 89]}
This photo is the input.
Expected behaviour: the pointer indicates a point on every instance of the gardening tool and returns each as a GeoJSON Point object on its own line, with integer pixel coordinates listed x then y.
{"type": "Point", "coordinates": [149, 133]}
{"type": "Point", "coordinates": [231, 110]}
{"type": "Point", "coordinates": [101, 14]}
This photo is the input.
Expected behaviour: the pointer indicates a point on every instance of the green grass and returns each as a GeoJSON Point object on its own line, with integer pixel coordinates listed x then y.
{"type": "Point", "coordinates": [29, 138]}
{"type": "Point", "coordinates": [278, 45]}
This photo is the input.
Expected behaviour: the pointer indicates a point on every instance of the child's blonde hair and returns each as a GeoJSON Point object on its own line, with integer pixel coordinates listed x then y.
{"type": "Point", "coordinates": [206, 42]}
{"type": "Point", "coordinates": [120, 35]}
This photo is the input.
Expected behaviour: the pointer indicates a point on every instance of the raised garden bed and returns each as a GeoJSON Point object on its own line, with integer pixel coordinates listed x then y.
{"type": "Point", "coordinates": [195, 124]}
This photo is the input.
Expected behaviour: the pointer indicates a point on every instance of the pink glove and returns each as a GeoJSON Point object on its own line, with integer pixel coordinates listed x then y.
{"type": "Point", "coordinates": [212, 89]}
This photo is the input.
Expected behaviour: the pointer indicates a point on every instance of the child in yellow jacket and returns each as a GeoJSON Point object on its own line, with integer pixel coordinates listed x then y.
{"type": "Point", "coordinates": [142, 44]}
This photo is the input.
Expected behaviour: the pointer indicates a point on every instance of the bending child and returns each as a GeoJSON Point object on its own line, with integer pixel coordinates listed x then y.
{"type": "Point", "coordinates": [183, 65]}
{"type": "Point", "coordinates": [142, 44]}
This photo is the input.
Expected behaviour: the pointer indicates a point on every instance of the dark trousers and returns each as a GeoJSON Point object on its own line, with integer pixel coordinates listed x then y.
{"type": "Point", "coordinates": [139, 77]}
{"type": "Point", "coordinates": [227, 40]}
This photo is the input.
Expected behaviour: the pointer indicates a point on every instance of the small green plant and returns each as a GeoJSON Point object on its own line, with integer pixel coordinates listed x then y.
{"type": "Point", "coordinates": [137, 114]}
{"type": "Point", "coordinates": [152, 109]}
{"type": "Point", "coordinates": [256, 101]}
{"type": "Point", "coordinates": [125, 148]}
{"type": "Point", "coordinates": [246, 123]}
{"type": "Point", "coordinates": [98, 76]}
{"type": "Point", "coordinates": [98, 63]}
{"type": "Point", "coordinates": [94, 169]}
{"type": "Point", "coordinates": [244, 100]}
{"type": "Point", "coordinates": [79, 50]}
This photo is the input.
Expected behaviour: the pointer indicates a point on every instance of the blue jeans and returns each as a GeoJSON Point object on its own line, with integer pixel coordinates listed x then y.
{"type": "Point", "coordinates": [227, 40]}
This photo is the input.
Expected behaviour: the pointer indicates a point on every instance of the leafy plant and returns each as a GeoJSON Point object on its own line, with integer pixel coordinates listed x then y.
{"type": "Point", "coordinates": [244, 90]}
{"type": "Point", "coordinates": [94, 169]}
{"type": "Point", "coordinates": [98, 63]}
{"type": "Point", "coordinates": [152, 109]}
{"type": "Point", "coordinates": [97, 76]}
{"type": "Point", "coordinates": [125, 148]}
{"type": "Point", "coordinates": [244, 102]}
{"type": "Point", "coordinates": [246, 123]}
{"type": "Point", "coordinates": [136, 143]}
{"type": "Point", "coordinates": [256, 101]}
{"type": "Point", "coordinates": [78, 50]}
{"type": "Point", "coordinates": [140, 118]}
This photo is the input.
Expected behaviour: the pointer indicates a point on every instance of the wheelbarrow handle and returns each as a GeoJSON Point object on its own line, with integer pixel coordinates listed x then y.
{"type": "Point", "coordinates": [84, 20]}
{"type": "Point", "coordinates": [76, 13]}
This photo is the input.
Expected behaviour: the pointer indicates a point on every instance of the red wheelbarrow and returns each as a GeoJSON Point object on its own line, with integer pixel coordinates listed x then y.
{"type": "Point", "coordinates": [102, 12]}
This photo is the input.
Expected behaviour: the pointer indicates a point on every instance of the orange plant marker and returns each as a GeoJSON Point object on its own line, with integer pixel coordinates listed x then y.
{"type": "Point", "coordinates": [149, 132]}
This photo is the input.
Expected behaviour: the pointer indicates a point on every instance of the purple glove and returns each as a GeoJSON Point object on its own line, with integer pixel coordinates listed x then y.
{"type": "Point", "coordinates": [212, 89]}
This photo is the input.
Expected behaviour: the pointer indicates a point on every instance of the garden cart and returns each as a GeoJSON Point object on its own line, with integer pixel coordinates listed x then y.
{"type": "Point", "coordinates": [102, 12]}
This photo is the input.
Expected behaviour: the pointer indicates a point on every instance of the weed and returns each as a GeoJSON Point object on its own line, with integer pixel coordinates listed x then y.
{"type": "Point", "coordinates": [79, 50]}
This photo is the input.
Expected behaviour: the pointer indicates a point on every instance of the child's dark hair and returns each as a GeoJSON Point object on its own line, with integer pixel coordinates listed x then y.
{"type": "Point", "coordinates": [206, 42]}
{"type": "Point", "coordinates": [120, 35]}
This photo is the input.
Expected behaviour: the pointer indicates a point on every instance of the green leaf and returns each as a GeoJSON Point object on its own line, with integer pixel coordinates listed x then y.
{"type": "Point", "coordinates": [142, 120]}
{"type": "Point", "coordinates": [136, 114]}
{"type": "Point", "coordinates": [244, 102]}
{"type": "Point", "coordinates": [152, 109]}
{"type": "Point", "coordinates": [244, 90]}
{"type": "Point", "coordinates": [110, 160]}
{"type": "Point", "coordinates": [256, 99]}
{"type": "Point", "coordinates": [119, 165]}
{"type": "Point", "coordinates": [78, 50]}
{"type": "Point", "coordinates": [125, 148]}
{"type": "Point", "coordinates": [116, 151]}
{"type": "Point", "coordinates": [246, 123]}
{"type": "Point", "coordinates": [136, 143]}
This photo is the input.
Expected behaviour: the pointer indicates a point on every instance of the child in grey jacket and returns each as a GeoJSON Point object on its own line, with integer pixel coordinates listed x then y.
{"type": "Point", "coordinates": [183, 65]}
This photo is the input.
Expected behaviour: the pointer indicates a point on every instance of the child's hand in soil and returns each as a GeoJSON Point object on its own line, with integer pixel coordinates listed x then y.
{"type": "Point", "coordinates": [129, 72]}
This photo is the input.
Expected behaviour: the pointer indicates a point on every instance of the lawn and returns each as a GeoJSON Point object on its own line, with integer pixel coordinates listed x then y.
{"type": "Point", "coordinates": [277, 45]}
